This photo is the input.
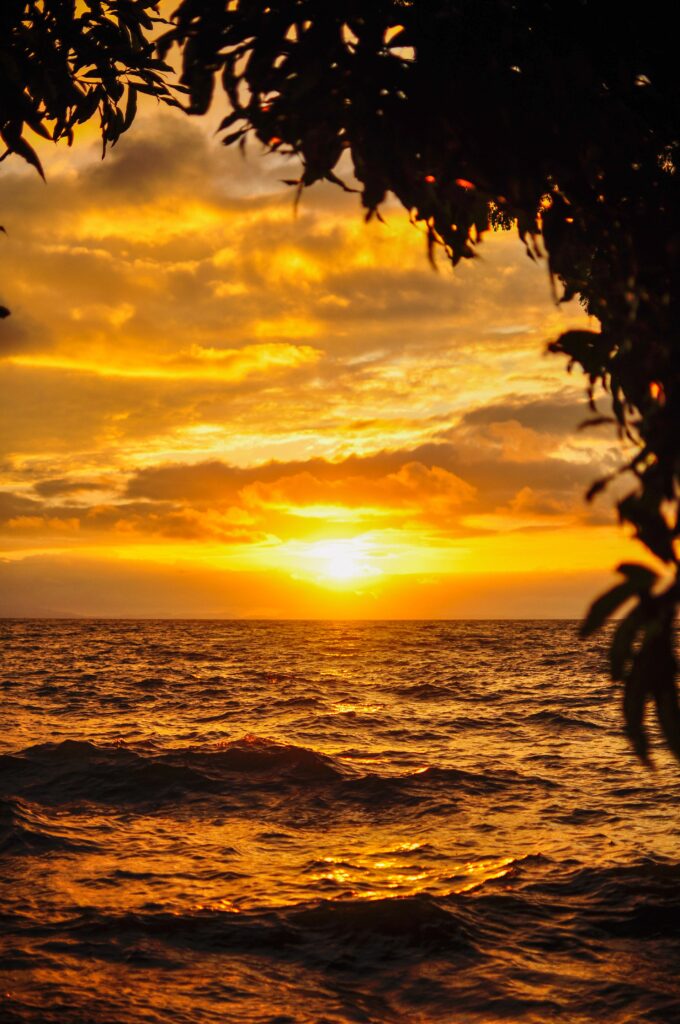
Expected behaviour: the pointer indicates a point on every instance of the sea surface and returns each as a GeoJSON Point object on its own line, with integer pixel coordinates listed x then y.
{"type": "Point", "coordinates": [328, 822]}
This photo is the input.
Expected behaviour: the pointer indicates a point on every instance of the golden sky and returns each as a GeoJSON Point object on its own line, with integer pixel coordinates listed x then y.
{"type": "Point", "coordinates": [214, 406]}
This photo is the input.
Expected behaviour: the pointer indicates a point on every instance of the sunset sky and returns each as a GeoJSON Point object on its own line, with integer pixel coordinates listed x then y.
{"type": "Point", "coordinates": [215, 407]}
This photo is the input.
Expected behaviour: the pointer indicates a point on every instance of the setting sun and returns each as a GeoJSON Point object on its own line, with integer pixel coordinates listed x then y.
{"type": "Point", "coordinates": [342, 560]}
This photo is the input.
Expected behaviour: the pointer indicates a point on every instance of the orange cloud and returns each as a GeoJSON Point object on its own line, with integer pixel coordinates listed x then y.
{"type": "Point", "coordinates": [414, 489]}
{"type": "Point", "coordinates": [193, 372]}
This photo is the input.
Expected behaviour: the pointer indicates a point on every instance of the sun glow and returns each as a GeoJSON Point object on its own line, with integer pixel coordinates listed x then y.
{"type": "Point", "coordinates": [342, 560]}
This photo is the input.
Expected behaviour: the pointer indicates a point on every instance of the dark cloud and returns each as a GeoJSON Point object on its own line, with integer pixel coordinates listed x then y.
{"type": "Point", "coordinates": [206, 481]}
{"type": "Point", "coordinates": [170, 155]}
{"type": "Point", "coordinates": [559, 415]}
{"type": "Point", "coordinates": [53, 488]}
{"type": "Point", "coordinates": [22, 333]}
{"type": "Point", "coordinates": [495, 480]}
{"type": "Point", "coordinates": [12, 505]}
{"type": "Point", "coordinates": [125, 521]}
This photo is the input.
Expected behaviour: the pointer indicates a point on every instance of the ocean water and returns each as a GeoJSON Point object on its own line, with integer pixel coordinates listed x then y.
{"type": "Point", "coordinates": [320, 823]}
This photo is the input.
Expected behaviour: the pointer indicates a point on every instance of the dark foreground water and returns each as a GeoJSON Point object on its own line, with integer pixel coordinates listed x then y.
{"type": "Point", "coordinates": [319, 823]}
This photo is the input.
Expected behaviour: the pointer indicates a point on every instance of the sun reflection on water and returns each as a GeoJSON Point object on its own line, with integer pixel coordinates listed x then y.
{"type": "Point", "coordinates": [377, 876]}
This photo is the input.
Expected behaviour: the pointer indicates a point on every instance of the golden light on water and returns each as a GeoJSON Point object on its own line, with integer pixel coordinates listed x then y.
{"type": "Point", "coordinates": [376, 877]}
{"type": "Point", "coordinates": [253, 797]}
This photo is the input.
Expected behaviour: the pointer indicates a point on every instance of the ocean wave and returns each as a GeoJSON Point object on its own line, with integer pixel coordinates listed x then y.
{"type": "Point", "coordinates": [441, 784]}
{"type": "Point", "coordinates": [639, 900]}
{"type": "Point", "coordinates": [318, 931]}
{"type": "Point", "coordinates": [386, 926]}
{"type": "Point", "coordinates": [538, 912]}
{"type": "Point", "coordinates": [150, 683]}
{"type": "Point", "coordinates": [77, 770]}
{"type": "Point", "coordinates": [541, 927]}
{"type": "Point", "coordinates": [253, 754]}
{"type": "Point", "coordinates": [25, 830]}
{"type": "Point", "coordinates": [487, 781]}
{"type": "Point", "coordinates": [425, 691]}
{"type": "Point", "coordinates": [561, 720]}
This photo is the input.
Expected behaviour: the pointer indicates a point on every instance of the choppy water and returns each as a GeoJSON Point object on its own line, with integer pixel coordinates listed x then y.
{"type": "Point", "coordinates": [319, 823]}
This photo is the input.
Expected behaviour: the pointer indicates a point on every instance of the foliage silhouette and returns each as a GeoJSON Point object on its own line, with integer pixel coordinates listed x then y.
{"type": "Point", "coordinates": [63, 63]}
{"type": "Point", "coordinates": [559, 116]}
